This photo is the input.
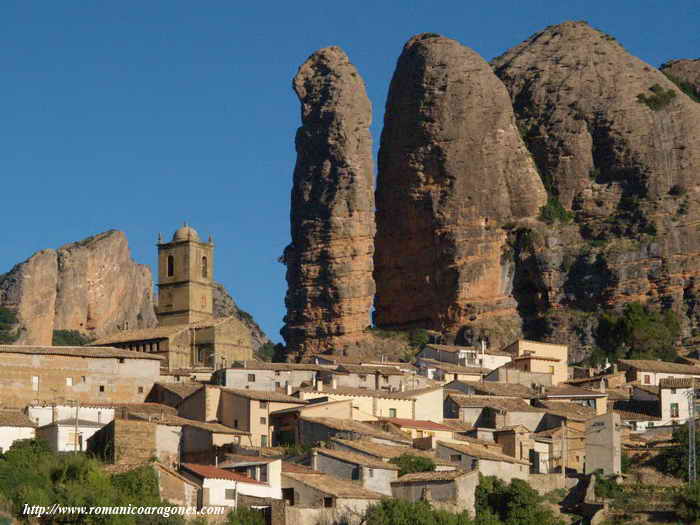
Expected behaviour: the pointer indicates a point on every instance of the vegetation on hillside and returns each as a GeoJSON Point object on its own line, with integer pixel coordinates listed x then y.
{"type": "Point", "coordinates": [553, 212]}
{"type": "Point", "coordinates": [69, 338]}
{"type": "Point", "coordinates": [674, 460]}
{"type": "Point", "coordinates": [516, 503]}
{"type": "Point", "coordinates": [8, 323]}
{"type": "Point", "coordinates": [409, 463]}
{"type": "Point", "coordinates": [685, 87]}
{"type": "Point", "coordinates": [659, 98]}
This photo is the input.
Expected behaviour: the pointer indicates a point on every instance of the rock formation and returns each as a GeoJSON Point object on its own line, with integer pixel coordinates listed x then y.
{"type": "Point", "coordinates": [618, 147]}
{"type": "Point", "coordinates": [225, 306]}
{"type": "Point", "coordinates": [91, 286]}
{"type": "Point", "coordinates": [329, 260]}
{"type": "Point", "coordinates": [454, 174]}
{"type": "Point", "coordinates": [684, 71]}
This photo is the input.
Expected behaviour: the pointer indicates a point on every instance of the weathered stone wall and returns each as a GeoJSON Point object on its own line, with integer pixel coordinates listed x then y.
{"type": "Point", "coordinates": [329, 261]}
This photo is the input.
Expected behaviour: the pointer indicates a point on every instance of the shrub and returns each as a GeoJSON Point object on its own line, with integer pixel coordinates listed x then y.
{"type": "Point", "coordinates": [553, 211]}
{"type": "Point", "coordinates": [659, 98]}
{"type": "Point", "coordinates": [418, 338]}
{"type": "Point", "coordinates": [409, 463]}
{"type": "Point", "coordinates": [688, 503]}
{"type": "Point", "coordinates": [8, 322]}
{"type": "Point", "coordinates": [685, 87]}
{"type": "Point", "coordinates": [245, 516]}
{"type": "Point", "coordinates": [677, 190]}
{"type": "Point", "coordinates": [517, 503]}
{"type": "Point", "coordinates": [607, 487]}
{"type": "Point", "coordinates": [69, 338]}
{"type": "Point", "coordinates": [402, 512]}
{"type": "Point", "coordinates": [674, 460]}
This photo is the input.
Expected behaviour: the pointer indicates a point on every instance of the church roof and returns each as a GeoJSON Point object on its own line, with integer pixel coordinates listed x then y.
{"type": "Point", "coordinates": [159, 332]}
{"type": "Point", "coordinates": [185, 233]}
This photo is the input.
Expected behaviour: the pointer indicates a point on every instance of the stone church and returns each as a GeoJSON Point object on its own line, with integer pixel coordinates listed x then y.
{"type": "Point", "coordinates": [188, 335]}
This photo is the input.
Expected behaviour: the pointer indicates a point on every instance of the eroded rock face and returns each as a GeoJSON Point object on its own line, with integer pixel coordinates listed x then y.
{"type": "Point", "coordinates": [225, 306]}
{"type": "Point", "coordinates": [453, 171]}
{"type": "Point", "coordinates": [92, 286]}
{"type": "Point", "coordinates": [329, 261]}
{"type": "Point", "coordinates": [618, 144]}
{"type": "Point", "coordinates": [684, 70]}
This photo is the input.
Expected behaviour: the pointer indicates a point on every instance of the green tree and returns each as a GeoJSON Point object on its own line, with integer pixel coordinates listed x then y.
{"type": "Point", "coordinates": [8, 326]}
{"type": "Point", "coordinates": [674, 460]}
{"type": "Point", "coordinates": [513, 504]}
{"type": "Point", "coordinates": [402, 512]}
{"type": "Point", "coordinates": [245, 516]}
{"type": "Point", "coordinates": [418, 338]}
{"type": "Point", "coordinates": [408, 463]}
{"type": "Point", "coordinates": [69, 338]}
{"type": "Point", "coordinates": [688, 503]}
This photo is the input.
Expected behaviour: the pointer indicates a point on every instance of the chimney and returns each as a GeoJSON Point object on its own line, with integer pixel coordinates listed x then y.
{"type": "Point", "coordinates": [602, 386]}
{"type": "Point", "coordinates": [314, 460]}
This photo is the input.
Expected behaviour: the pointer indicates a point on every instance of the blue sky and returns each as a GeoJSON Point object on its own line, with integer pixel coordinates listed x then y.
{"type": "Point", "coordinates": [139, 115]}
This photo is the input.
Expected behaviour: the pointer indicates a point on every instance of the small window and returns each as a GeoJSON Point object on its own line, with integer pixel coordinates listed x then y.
{"type": "Point", "coordinates": [205, 268]}
{"type": "Point", "coordinates": [263, 404]}
{"type": "Point", "coordinates": [251, 378]}
{"type": "Point", "coordinates": [230, 494]}
{"type": "Point", "coordinates": [674, 409]}
{"type": "Point", "coordinates": [263, 421]}
{"type": "Point", "coordinates": [673, 391]}
{"type": "Point", "coordinates": [392, 412]}
{"type": "Point", "coordinates": [370, 472]}
{"type": "Point", "coordinates": [328, 502]}
{"type": "Point", "coordinates": [363, 377]}
{"type": "Point", "coordinates": [647, 379]}
{"type": "Point", "coordinates": [455, 457]}
{"type": "Point", "coordinates": [277, 372]}
{"type": "Point", "coordinates": [121, 360]}
{"type": "Point", "coordinates": [235, 423]}
{"type": "Point", "coordinates": [140, 390]}
{"type": "Point", "coordinates": [551, 369]}
{"type": "Point", "coordinates": [171, 265]}
{"type": "Point", "coordinates": [263, 441]}
{"type": "Point", "coordinates": [263, 474]}
{"type": "Point", "coordinates": [277, 384]}
{"type": "Point", "coordinates": [102, 388]}
{"type": "Point", "coordinates": [82, 379]}
{"type": "Point", "coordinates": [69, 381]}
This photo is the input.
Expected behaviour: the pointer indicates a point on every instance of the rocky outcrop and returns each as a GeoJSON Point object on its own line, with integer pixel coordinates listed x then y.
{"type": "Point", "coordinates": [618, 147]}
{"type": "Point", "coordinates": [685, 72]}
{"type": "Point", "coordinates": [329, 260]}
{"type": "Point", "coordinates": [225, 306]}
{"type": "Point", "coordinates": [454, 175]}
{"type": "Point", "coordinates": [91, 286]}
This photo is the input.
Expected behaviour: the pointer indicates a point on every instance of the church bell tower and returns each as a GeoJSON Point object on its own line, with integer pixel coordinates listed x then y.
{"type": "Point", "coordinates": [185, 278]}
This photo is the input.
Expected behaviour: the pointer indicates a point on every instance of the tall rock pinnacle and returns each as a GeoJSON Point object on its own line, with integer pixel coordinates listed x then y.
{"type": "Point", "coordinates": [453, 171]}
{"type": "Point", "coordinates": [329, 261]}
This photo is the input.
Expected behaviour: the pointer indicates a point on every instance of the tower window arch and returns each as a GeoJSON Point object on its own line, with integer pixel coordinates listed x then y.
{"type": "Point", "coordinates": [205, 267]}
{"type": "Point", "coordinates": [171, 265]}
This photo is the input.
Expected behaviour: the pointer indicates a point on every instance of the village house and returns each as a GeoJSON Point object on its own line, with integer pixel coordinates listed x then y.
{"type": "Point", "coordinates": [188, 336]}
{"type": "Point", "coordinates": [487, 461]}
{"type": "Point", "coordinates": [263, 376]}
{"type": "Point", "coordinates": [68, 435]}
{"type": "Point", "coordinates": [285, 421]}
{"type": "Point", "coordinates": [465, 356]}
{"type": "Point", "coordinates": [175, 488]}
{"type": "Point", "coordinates": [172, 394]}
{"type": "Point", "coordinates": [417, 429]}
{"type": "Point", "coordinates": [364, 377]}
{"type": "Point", "coordinates": [534, 356]}
{"type": "Point", "coordinates": [388, 452]}
{"type": "Point", "coordinates": [86, 374]}
{"type": "Point", "coordinates": [263, 469]}
{"type": "Point", "coordinates": [512, 373]}
{"type": "Point", "coordinates": [668, 402]}
{"type": "Point", "coordinates": [370, 473]}
{"type": "Point", "coordinates": [372, 404]}
{"type": "Point", "coordinates": [14, 425]}
{"type": "Point", "coordinates": [515, 441]}
{"type": "Point", "coordinates": [445, 372]}
{"type": "Point", "coordinates": [548, 447]}
{"type": "Point", "coordinates": [596, 400]}
{"type": "Point", "coordinates": [650, 372]}
{"type": "Point", "coordinates": [46, 413]}
{"type": "Point", "coordinates": [637, 416]}
{"type": "Point", "coordinates": [314, 430]}
{"type": "Point", "coordinates": [221, 487]}
{"type": "Point", "coordinates": [456, 487]}
{"type": "Point", "coordinates": [492, 411]}
{"type": "Point", "coordinates": [491, 388]}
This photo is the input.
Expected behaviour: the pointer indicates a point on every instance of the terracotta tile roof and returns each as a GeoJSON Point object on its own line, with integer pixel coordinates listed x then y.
{"type": "Point", "coordinates": [450, 348]}
{"type": "Point", "coordinates": [568, 410]}
{"type": "Point", "coordinates": [457, 425]}
{"type": "Point", "coordinates": [368, 370]}
{"type": "Point", "coordinates": [571, 391]}
{"type": "Point", "coordinates": [211, 426]}
{"type": "Point", "coordinates": [232, 460]}
{"type": "Point", "coordinates": [182, 390]}
{"type": "Point", "coordinates": [387, 452]}
{"type": "Point", "coordinates": [358, 459]}
{"type": "Point", "coordinates": [349, 425]}
{"type": "Point", "coordinates": [78, 351]}
{"type": "Point", "coordinates": [266, 365]}
{"type": "Point", "coordinates": [442, 475]}
{"type": "Point", "coordinates": [493, 388]}
{"type": "Point", "coordinates": [650, 365]}
{"type": "Point", "coordinates": [263, 395]}
{"type": "Point", "coordinates": [679, 382]}
{"type": "Point", "coordinates": [550, 432]}
{"type": "Point", "coordinates": [69, 422]}
{"type": "Point", "coordinates": [634, 410]}
{"type": "Point", "coordinates": [510, 404]}
{"type": "Point", "coordinates": [536, 357]}
{"type": "Point", "coordinates": [288, 466]}
{"type": "Point", "coordinates": [415, 423]}
{"type": "Point", "coordinates": [333, 486]}
{"type": "Point", "coordinates": [15, 418]}
{"type": "Point", "coordinates": [360, 392]}
{"type": "Point", "coordinates": [649, 389]}
{"type": "Point", "coordinates": [158, 332]}
{"type": "Point", "coordinates": [482, 453]}
{"type": "Point", "coordinates": [211, 472]}
{"type": "Point", "coordinates": [452, 368]}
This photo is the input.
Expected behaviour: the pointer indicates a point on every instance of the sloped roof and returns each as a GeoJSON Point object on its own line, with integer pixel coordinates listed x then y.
{"type": "Point", "coordinates": [634, 410]}
{"type": "Point", "coordinates": [288, 466]}
{"type": "Point", "coordinates": [360, 392]}
{"type": "Point", "coordinates": [493, 388]}
{"type": "Point", "coordinates": [210, 426]}
{"type": "Point", "coordinates": [368, 370]}
{"type": "Point", "coordinates": [510, 404]}
{"type": "Point", "coordinates": [349, 425]}
{"type": "Point", "coordinates": [15, 418]}
{"type": "Point", "coordinates": [568, 410]}
{"type": "Point", "coordinates": [650, 365]}
{"type": "Point", "coordinates": [333, 486]}
{"type": "Point", "coordinates": [358, 459]}
{"type": "Point", "coordinates": [649, 389]}
{"type": "Point", "coordinates": [266, 365]}
{"type": "Point", "coordinates": [158, 332]}
{"type": "Point", "coordinates": [678, 382]}
{"type": "Point", "coordinates": [182, 390]}
{"type": "Point", "coordinates": [263, 395]}
{"type": "Point", "coordinates": [450, 348]}
{"type": "Point", "coordinates": [442, 475]}
{"type": "Point", "coordinates": [455, 369]}
{"type": "Point", "coordinates": [79, 351]}
{"type": "Point", "coordinates": [571, 391]}
{"type": "Point", "coordinates": [416, 423]}
{"type": "Point", "coordinates": [211, 472]}
{"type": "Point", "coordinates": [482, 453]}
{"type": "Point", "coordinates": [388, 452]}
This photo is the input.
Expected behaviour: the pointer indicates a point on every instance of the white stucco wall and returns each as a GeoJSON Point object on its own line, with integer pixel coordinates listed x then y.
{"type": "Point", "coordinates": [9, 435]}
{"type": "Point", "coordinates": [43, 414]}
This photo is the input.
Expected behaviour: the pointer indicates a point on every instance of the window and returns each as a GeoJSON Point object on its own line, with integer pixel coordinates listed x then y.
{"type": "Point", "coordinates": [363, 377]}
{"type": "Point", "coordinates": [82, 379]}
{"type": "Point", "coordinates": [140, 390]}
{"type": "Point", "coordinates": [647, 379]}
{"type": "Point", "coordinates": [385, 378]}
{"type": "Point", "coordinates": [69, 381]}
{"type": "Point", "coordinates": [235, 423]}
{"type": "Point", "coordinates": [230, 494]}
{"type": "Point", "coordinates": [370, 472]}
{"type": "Point", "coordinates": [205, 268]}
{"type": "Point", "coordinates": [392, 412]}
{"type": "Point", "coordinates": [35, 383]}
{"type": "Point", "coordinates": [251, 378]}
{"type": "Point", "coordinates": [288, 496]}
{"type": "Point", "coordinates": [171, 265]}
{"type": "Point", "coordinates": [121, 360]}
{"type": "Point", "coordinates": [102, 388]}
{"type": "Point", "coordinates": [263, 421]}
{"type": "Point", "coordinates": [674, 409]}
{"type": "Point", "coordinates": [263, 404]}
{"type": "Point", "coordinates": [551, 369]}
{"type": "Point", "coordinates": [455, 457]}
{"type": "Point", "coordinates": [277, 384]}
{"type": "Point", "coordinates": [263, 441]}
{"type": "Point", "coordinates": [263, 474]}
{"type": "Point", "coordinates": [277, 373]}
{"type": "Point", "coordinates": [328, 502]}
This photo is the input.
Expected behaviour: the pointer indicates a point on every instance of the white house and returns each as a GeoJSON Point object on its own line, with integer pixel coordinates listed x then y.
{"type": "Point", "coordinates": [62, 436]}
{"type": "Point", "coordinates": [221, 487]}
{"type": "Point", "coordinates": [651, 372]}
{"type": "Point", "coordinates": [260, 468]}
{"type": "Point", "coordinates": [14, 426]}
{"type": "Point", "coordinates": [44, 413]}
